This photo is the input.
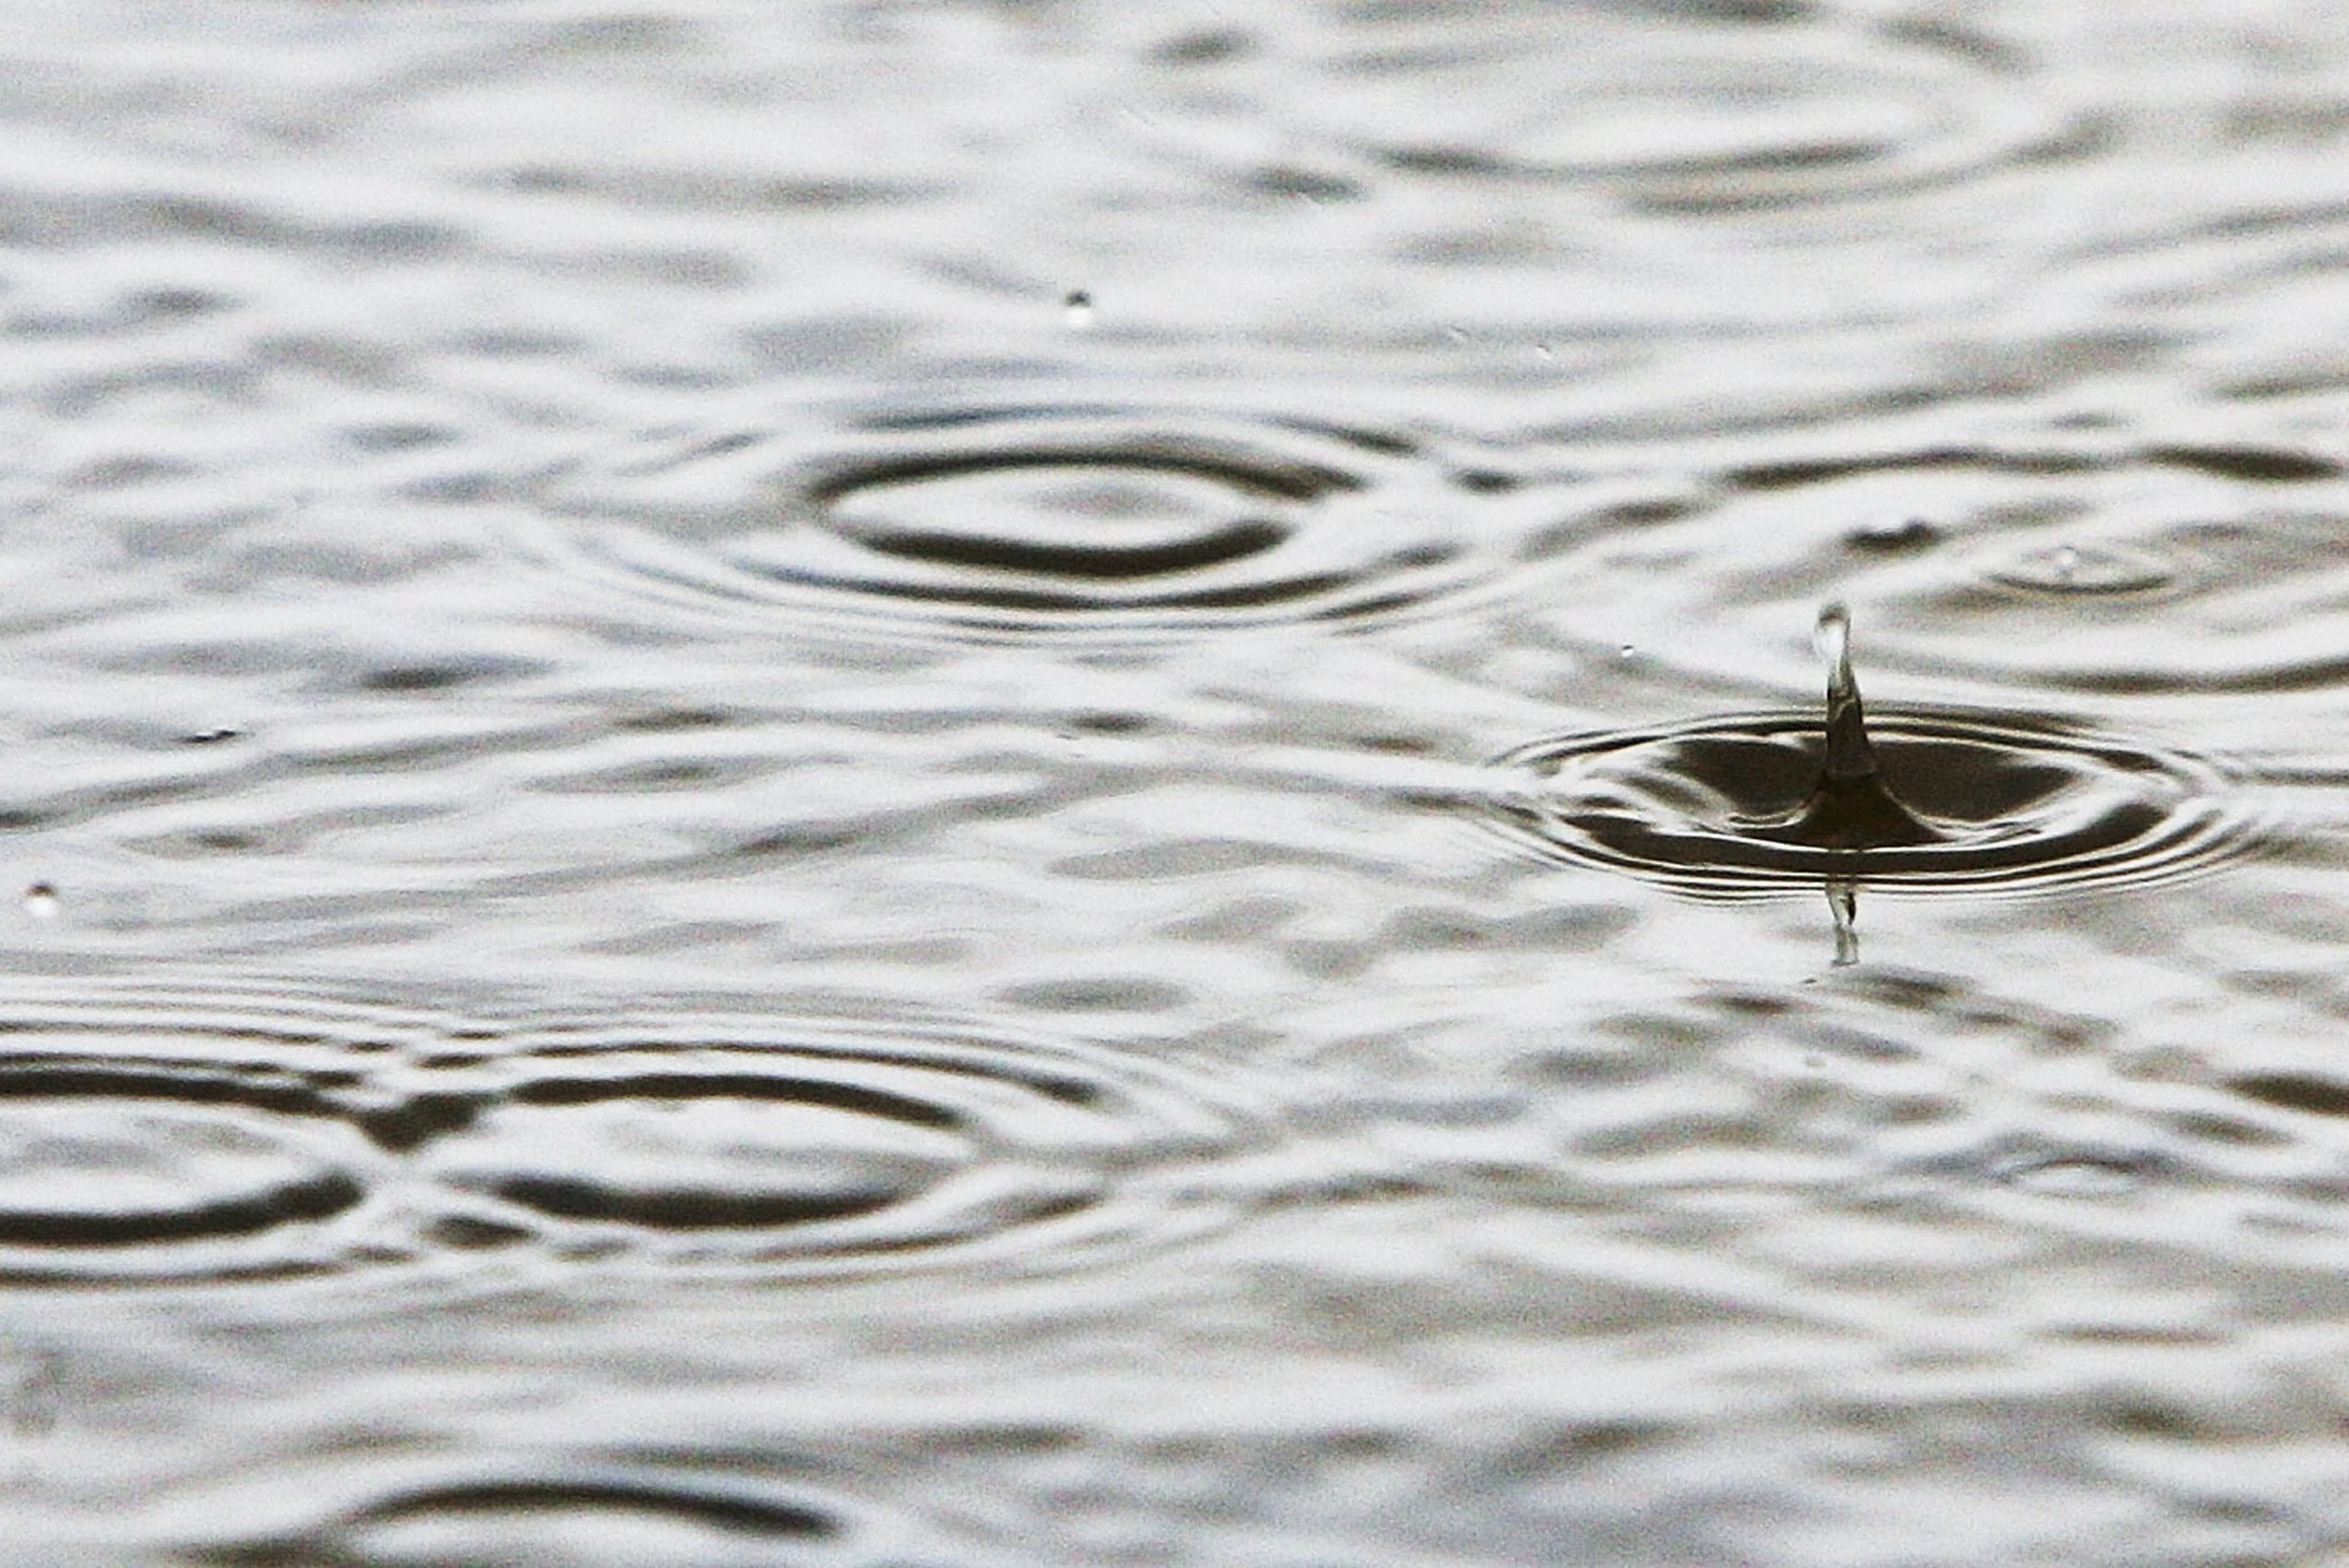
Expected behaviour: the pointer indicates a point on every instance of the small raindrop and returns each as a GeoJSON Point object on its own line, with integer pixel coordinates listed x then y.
{"type": "Point", "coordinates": [1077, 310]}
{"type": "Point", "coordinates": [41, 901]}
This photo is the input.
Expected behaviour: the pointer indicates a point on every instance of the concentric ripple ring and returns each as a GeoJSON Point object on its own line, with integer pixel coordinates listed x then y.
{"type": "Point", "coordinates": [983, 521]}
{"type": "Point", "coordinates": [2020, 805]}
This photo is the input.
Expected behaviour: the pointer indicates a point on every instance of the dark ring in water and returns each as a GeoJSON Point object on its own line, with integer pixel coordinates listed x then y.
{"type": "Point", "coordinates": [2021, 805]}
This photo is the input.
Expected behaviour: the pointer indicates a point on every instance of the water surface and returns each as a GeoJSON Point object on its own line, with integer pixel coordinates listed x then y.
{"type": "Point", "coordinates": [954, 784]}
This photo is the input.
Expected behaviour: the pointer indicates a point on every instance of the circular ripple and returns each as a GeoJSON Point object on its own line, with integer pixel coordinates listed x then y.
{"type": "Point", "coordinates": [1680, 108]}
{"type": "Point", "coordinates": [200, 1137]}
{"type": "Point", "coordinates": [1009, 521]}
{"type": "Point", "coordinates": [205, 1150]}
{"type": "Point", "coordinates": [579, 1511]}
{"type": "Point", "coordinates": [2118, 569]}
{"type": "Point", "coordinates": [78, 1174]}
{"type": "Point", "coordinates": [826, 1147]}
{"type": "Point", "coordinates": [2016, 805]}
{"type": "Point", "coordinates": [2075, 563]}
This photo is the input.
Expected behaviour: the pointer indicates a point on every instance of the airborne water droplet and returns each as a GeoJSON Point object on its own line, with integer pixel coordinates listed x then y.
{"type": "Point", "coordinates": [41, 901]}
{"type": "Point", "coordinates": [1076, 311]}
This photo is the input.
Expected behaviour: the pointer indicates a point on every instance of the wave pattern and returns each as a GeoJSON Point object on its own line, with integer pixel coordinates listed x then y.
{"type": "Point", "coordinates": [745, 809]}
{"type": "Point", "coordinates": [2020, 805]}
{"type": "Point", "coordinates": [183, 1140]}
{"type": "Point", "coordinates": [984, 521]}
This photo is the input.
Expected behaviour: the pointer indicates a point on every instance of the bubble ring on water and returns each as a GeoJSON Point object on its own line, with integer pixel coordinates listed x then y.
{"type": "Point", "coordinates": [2020, 805]}
{"type": "Point", "coordinates": [986, 521]}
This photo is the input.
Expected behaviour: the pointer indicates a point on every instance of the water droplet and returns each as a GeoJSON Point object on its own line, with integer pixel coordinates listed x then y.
{"type": "Point", "coordinates": [41, 901]}
{"type": "Point", "coordinates": [1832, 637]}
{"type": "Point", "coordinates": [1626, 651]}
{"type": "Point", "coordinates": [1077, 310]}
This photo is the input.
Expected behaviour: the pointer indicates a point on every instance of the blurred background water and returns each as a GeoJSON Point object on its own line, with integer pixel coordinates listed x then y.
{"type": "Point", "coordinates": [927, 783]}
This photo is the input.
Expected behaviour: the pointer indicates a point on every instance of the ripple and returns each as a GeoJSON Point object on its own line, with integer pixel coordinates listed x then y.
{"type": "Point", "coordinates": [1115, 523]}
{"type": "Point", "coordinates": [208, 1137]}
{"type": "Point", "coordinates": [580, 1512]}
{"type": "Point", "coordinates": [1678, 109]}
{"type": "Point", "coordinates": [2016, 805]}
{"type": "Point", "coordinates": [78, 1174]}
{"type": "Point", "coordinates": [208, 1145]}
{"type": "Point", "coordinates": [2076, 563]}
{"type": "Point", "coordinates": [2091, 569]}
{"type": "Point", "coordinates": [825, 1147]}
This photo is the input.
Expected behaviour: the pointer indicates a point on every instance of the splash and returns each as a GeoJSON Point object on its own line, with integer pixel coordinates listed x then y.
{"type": "Point", "coordinates": [1756, 805]}
{"type": "Point", "coordinates": [1850, 807]}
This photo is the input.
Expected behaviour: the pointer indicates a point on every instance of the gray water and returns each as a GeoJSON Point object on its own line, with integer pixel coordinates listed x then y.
{"type": "Point", "coordinates": [929, 784]}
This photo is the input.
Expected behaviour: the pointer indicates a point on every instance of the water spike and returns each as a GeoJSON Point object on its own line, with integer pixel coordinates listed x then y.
{"type": "Point", "coordinates": [1849, 808]}
{"type": "Point", "coordinates": [1849, 756]}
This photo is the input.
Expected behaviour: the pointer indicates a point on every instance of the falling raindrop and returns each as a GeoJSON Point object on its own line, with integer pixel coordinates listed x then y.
{"type": "Point", "coordinates": [1077, 310]}
{"type": "Point", "coordinates": [41, 901]}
